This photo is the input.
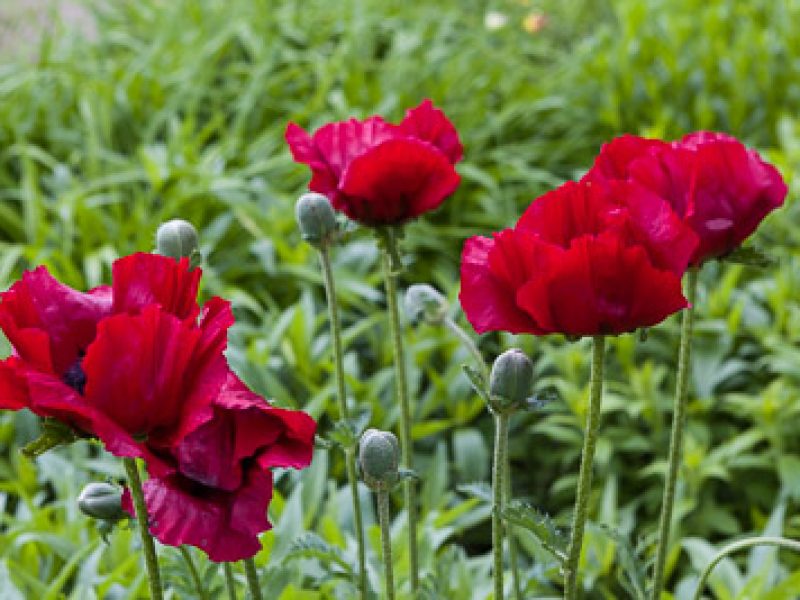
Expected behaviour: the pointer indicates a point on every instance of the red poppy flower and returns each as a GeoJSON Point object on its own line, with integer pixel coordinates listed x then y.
{"type": "Point", "coordinates": [379, 173]}
{"type": "Point", "coordinates": [217, 496]}
{"type": "Point", "coordinates": [715, 184]}
{"type": "Point", "coordinates": [583, 259]}
{"type": "Point", "coordinates": [120, 363]}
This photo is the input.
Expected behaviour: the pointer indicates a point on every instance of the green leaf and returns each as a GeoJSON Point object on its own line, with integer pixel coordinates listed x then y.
{"type": "Point", "coordinates": [539, 524]}
{"type": "Point", "coordinates": [310, 545]}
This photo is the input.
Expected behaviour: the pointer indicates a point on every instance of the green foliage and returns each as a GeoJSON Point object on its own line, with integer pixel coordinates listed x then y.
{"type": "Point", "coordinates": [177, 109]}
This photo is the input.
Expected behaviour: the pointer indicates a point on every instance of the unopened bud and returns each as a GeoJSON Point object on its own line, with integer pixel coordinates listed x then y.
{"type": "Point", "coordinates": [178, 239]}
{"type": "Point", "coordinates": [379, 457]}
{"type": "Point", "coordinates": [424, 303]}
{"type": "Point", "coordinates": [101, 501]}
{"type": "Point", "coordinates": [511, 379]}
{"type": "Point", "coordinates": [316, 219]}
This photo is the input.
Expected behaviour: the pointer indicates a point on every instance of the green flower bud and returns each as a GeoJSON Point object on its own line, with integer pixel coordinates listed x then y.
{"type": "Point", "coordinates": [101, 501]}
{"type": "Point", "coordinates": [424, 303]}
{"type": "Point", "coordinates": [511, 379]}
{"type": "Point", "coordinates": [316, 219]}
{"type": "Point", "coordinates": [379, 457]}
{"type": "Point", "coordinates": [177, 238]}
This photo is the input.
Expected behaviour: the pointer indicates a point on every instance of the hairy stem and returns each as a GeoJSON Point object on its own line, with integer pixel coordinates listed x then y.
{"type": "Point", "coordinates": [341, 395]}
{"type": "Point", "coordinates": [409, 485]}
{"type": "Point", "coordinates": [512, 545]}
{"type": "Point", "coordinates": [469, 345]}
{"type": "Point", "coordinates": [676, 436]}
{"type": "Point", "coordinates": [252, 578]}
{"type": "Point", "coordinates": [741, 545]}
{"type": "Point", "coordinates": [585, 475]}
{"type": "Point", "coordinates": [198, 583]}
{"type": "Point", "coordinates": [498, 492]}
{"type": "Point", "coordinates": [386, 541]}
{"type": "Point", "coordinates": [148, 546]}
{"type": "Point", "coordinates": [230, 584]}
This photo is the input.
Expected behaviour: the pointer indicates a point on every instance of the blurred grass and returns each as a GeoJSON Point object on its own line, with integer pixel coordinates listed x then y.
{"type": "Point", "coordinates": [178, 109]}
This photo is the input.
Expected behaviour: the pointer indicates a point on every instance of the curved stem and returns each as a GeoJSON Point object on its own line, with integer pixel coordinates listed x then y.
{"type": "Point", "coordinates": [676, 436]}
{"type": "Point", "coordinates": [409, 485]}
{"type": "Point", "coordinates": [498, 467]}
{"type": "Point", "coordinates": [341, 395]}
{"type": "Point", "coordinates": [386, 541]}
{"type": "Point", "coordinates": [198, 583]}
{"type": "Point", "coordinates": [252, 578]}
{"type": "Point", "coordinates": [148, 546]}
{"type": "Point", "coordinates": [512, 545]}
{"type": "Point", "coordinates": [741, 545]}
{"type": "Point", "coordinates": [230, 584]}
{"type": "Point", "coordinates": [469, 344]}
{"type": "Point", "coordinates": [585, 475]}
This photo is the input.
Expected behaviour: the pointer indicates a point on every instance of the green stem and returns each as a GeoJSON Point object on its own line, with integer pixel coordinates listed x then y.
{"type": "Point", "coordinates": [386, 541]}
{"type": "Point", "coordinates": [341, 395]}
{"type": "Point", "coordinates": [676, 436]}
{"type": "Point", "coordinates": [741, 545]}
{"type": "Point", "coordinates": [409, 485]}
{"type": "Point", "coordinates": [585, 475]}
{"type": "Point", "coordinates": [498, 467]}
{"type": "Point", "coordinates": [198, 583]}
{"type": "Point", "coordinates": [512, 545]}
{"type": "Point", "coordinates": [230, 584]}
{"type": "Point", "coordinates": [252, 578]}
{"type": "Point", "coordinates": [148, 546]}
{"type": "Point", "coordinates": [469, 344]}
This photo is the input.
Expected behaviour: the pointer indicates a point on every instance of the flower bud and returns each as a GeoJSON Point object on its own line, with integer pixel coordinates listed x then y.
{"type": "Point", "coordinates": [316, 219]}
{"type": "Point", "coordinates": [424, 303]}
{"type": "Point", "coordinates": [379, 457]}
{"type": "Point", "coordinates": [511, 379]}
{"type": "Point", "coordinates": [177, 239]}
{"type": "Point", "coordinates": [101, 501]}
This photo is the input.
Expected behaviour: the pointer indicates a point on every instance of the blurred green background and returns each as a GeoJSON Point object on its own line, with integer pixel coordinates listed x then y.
{"type": "Point", "coordinates": [148, 110]}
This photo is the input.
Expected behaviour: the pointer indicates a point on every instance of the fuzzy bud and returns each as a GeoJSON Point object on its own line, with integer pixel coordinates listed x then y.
{"type": "Point", "coordinates": [101, 501]}
{"type": "Point", "coordinates": [315, 218]}
{"type": "Point", "coordinates": [379, 458]}
{"type": "Point", "coordinates": [178, 239]}
{"type": "Point", "coordinates": [424, 303]}
{"type": "Point", "coordinates": [511, 379]}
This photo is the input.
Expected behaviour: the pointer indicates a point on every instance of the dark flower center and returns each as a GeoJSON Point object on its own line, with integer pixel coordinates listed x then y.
{"type": "Point", "coordinates": [74, 377]}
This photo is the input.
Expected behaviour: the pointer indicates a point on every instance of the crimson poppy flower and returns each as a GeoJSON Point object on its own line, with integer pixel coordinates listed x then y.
{"type": "Point", "coordinates": [715, 184]}
{"type": "Point", "coordinates": [583, 259]}
{"type": "Point", "coordinates": [216, 496]}
{"type": "Point", "coordinates": [131, 361]}
{"type": "Point", "coordinates": [378, 173]}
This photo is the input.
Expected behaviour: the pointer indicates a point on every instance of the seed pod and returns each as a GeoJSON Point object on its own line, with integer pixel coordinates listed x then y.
{"type": "Point", "coordinates": [316, 219]}
{"type": "Point", "coordinates": [177, 238]}
{"type": "Point", "coordinates": [379, 458]}
{"type": "Point", "coordinates": [424, 303]}
{"type": "Point", "coordinates": [511, 379]}
{"type": "Point", "coordinates": [101, 501]}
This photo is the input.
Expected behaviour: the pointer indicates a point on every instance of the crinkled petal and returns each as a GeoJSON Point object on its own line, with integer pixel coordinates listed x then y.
{"type": "Point", "coordinates": [396, 181]}
{"type": "Point", "coordinates": [13, 390]}
{"type": "Point", "coordinates": [487, 296]}
{"type": "Point", "coordinates": [50, 324]}
{"type": "Point", "coordinates": [225, 525]}
{"type": "Point", "coordinates": [732, 190]}
{"type": "Point", "coordinates": [428, 123]}
{"type": "Point", "coordinates": [601, 286]}
{"type": "Point", "coordinates": [142, 279]}
{"type": "Point", "coordinates": [138, 367]}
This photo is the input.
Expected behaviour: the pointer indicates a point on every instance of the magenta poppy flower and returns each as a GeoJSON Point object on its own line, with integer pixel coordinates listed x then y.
{"type": "Point", "coordinates": [583, 259]}
{"type": "Point", "coordinates": [378, 173]}
{"type": "Point", "coordinates": [216, 496]}
{"type": "Point", "coordinates": [135, 360]}
{"type": "Point", "coordinates": [715, 184]}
